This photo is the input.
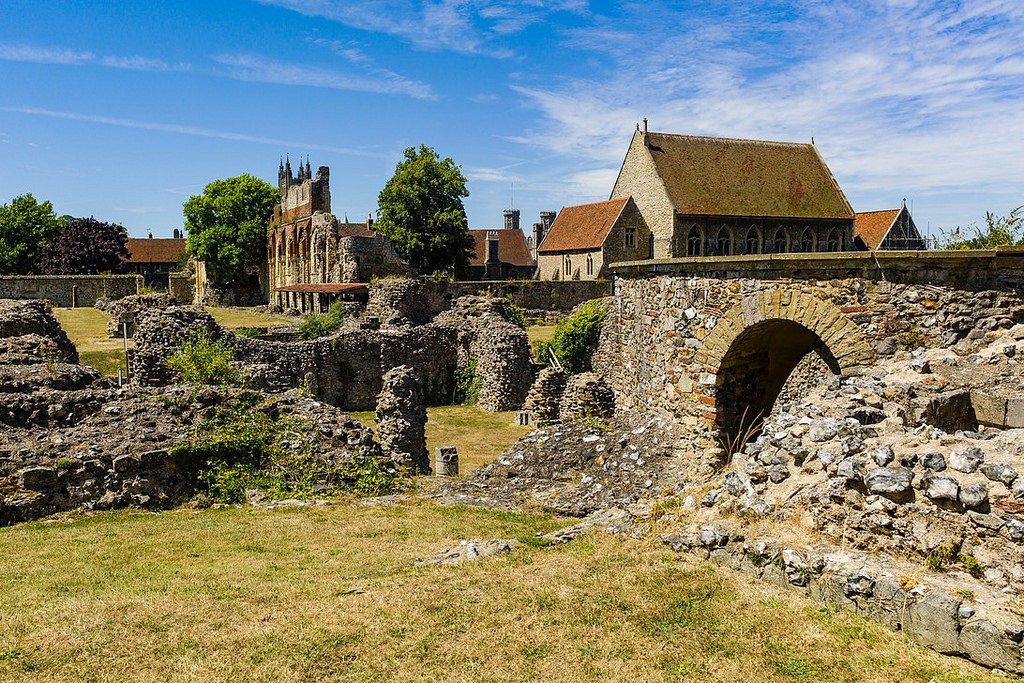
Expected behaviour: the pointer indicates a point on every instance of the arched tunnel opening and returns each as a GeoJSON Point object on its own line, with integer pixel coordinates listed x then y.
{"type": "Point", "coordinates": [754, 371]}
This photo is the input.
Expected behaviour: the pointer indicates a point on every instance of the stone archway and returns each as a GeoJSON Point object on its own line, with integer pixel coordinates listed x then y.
{"type": "Point", "coordinates": [757, 344]}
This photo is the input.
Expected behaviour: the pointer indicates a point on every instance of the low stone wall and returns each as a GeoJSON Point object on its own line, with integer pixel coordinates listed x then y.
{"type": "Point", "coordinates": [856, 581]}
{"type": "Point", "coordinates": [67, 291]}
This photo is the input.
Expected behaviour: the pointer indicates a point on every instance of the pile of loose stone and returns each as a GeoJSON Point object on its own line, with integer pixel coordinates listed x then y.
{"type": "Point", "coordinates": [577, 467]}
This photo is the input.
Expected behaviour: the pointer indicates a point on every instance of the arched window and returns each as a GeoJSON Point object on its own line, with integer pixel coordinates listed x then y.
{"type": "Point", "coordinates": [723, 244]}
{"type": "Point", "coordinates": [807, 241]}
{"type": "Point", "coordinates": [753, 245]}
{"type": "Point", "coordinates": [779, 243]}
{"type": "Point", "coordinates": [567, 267]}
{"type": "Point", "coordinates": [650, 245]}
{"type": "Point", "coordinates": [835, 240]}
{"type": "Point", "coordinates": [693, 242]}
{"type": "Point", "coordinates": [590, 264]}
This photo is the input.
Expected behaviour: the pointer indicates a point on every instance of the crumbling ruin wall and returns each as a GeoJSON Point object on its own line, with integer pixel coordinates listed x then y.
{"type": "Point", "coordinates": [67, 291]}
{"type": "Point", "coordinates": [123, 312]}
{"type": "Point", "coordinates": [402, 419]}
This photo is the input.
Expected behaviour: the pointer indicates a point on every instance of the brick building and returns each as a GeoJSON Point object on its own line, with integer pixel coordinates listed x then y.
{"type": "Point", "coordinates": [501, 254]}
{"type": "Point", "coordinates": [154, 257]}
{"type": "Point", "coordinates": [703, 196]}
{"type": "Point", "coordinates": [313, 259]}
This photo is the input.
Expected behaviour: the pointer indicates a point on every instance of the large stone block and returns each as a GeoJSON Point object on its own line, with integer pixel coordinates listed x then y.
{"type": "Point", "coordinates": [934, 622]}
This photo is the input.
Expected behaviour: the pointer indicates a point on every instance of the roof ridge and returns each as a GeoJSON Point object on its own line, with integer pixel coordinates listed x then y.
{"type": "Point", "coordinates": [878, 211]}
{"type": "Point", "coordinates": [712, 137]}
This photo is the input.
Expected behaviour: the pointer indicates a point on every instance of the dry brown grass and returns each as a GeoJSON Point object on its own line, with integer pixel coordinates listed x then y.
{"type": "Point", "coordinates": [251, 595]}
{"type": "Point", "coordinates": [479, 436]}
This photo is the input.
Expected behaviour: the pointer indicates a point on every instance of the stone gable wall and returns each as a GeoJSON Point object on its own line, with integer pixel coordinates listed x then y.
{"type": "Point", "coordinates": [639, 178]}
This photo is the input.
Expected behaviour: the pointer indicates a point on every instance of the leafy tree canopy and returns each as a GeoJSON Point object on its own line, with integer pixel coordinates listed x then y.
{"type": "Point", "coordinates": [421, 212]}
{"type": "Point", "coordinates": [85, 247]}
{"type": "Point", "coordinates": [999, 231]}
{"type": "Point", "coordinates": [227, 226]}
{"type": "Point", "coordinates": [26, 226]}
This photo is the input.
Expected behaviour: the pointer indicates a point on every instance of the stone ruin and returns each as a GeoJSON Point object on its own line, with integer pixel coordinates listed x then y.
{"type": "Point", "coordinates": [124, 312]}
{"type": "Point", "coordinates": [402, 420]}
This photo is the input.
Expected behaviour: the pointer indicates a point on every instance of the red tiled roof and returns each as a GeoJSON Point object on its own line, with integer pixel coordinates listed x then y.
{"type": "Point", "coordinates": [325, 288]}
{"type": "Point", "coordinates": [584, 226]}
{"type": "Point", "coordinates": [355, 230]}
{"type": "Point", "coordinates": [872, 226]}
{"type": "Point", "coordinates": [154, 249]}
{"type": "Point", "coordinates": [512, 248]}
{"type": "Point", "coordinates": [731, 177]}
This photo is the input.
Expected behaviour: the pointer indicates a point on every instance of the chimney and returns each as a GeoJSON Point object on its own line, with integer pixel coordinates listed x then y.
{"type": "Point", "coordinates": [644, 128]}
{"type": "Point", "coordinates": [369, 220]}
{"type": "Point", "coordinates": [538, 237]}
{"type": "Point", "coordinates": [547, 218]}
{"type": "Point", "coordinates": [492, 266]}
{"type": "Point", "coordinates": [511, 219]}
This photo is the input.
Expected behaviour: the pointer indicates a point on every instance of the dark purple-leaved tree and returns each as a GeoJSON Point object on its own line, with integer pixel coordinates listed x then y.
{"type": "Point", "coordinates": [86, 246]}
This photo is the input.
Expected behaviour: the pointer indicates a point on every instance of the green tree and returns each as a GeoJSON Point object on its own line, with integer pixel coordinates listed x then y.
{"type": "Point", "coordinates": [227, 227]}
{"type": "Point", "coordinates": [999, 231]}
{"type": "Point", "coordinates": [26, 226]}
{"type": "Point", "coordinates": [421, 212]}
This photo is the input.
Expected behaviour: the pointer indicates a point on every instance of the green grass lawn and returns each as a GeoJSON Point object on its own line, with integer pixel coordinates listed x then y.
{"type": "Point", "coordinates": [479, 436]}
{"type": "Point", "coordinates": [87, 328]}
{"type": "Point", "coordinates": [233, 317]}
{"type": "Point", "coordinates": [328, 594]}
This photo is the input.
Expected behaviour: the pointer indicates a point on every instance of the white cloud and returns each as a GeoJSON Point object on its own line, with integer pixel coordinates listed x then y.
{"type": "Point", "coordinates": [901, 97]}
{"type": "Point", "coordinates": [46, 55]}
{"type": "Point", "coordinates": [188, 130]}
{"type": "Point", "coordinates": [463, 26]}
{"type": "Point", "coordinates": [253, 68]}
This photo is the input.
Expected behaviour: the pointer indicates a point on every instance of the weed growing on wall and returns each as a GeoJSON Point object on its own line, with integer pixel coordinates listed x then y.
{"type": "Point", "coordinates": [466, 384]}
{"type": "Point", "coordinates": [202, 360]}
{"type": "Point", "coordinates": [243, 447]}
{"type": "Point", "coordinates": [576, 337]}
{"type": "Point", "coordinates": [516, 316]}
{"type": "Point", "coordinates": [317, 325]}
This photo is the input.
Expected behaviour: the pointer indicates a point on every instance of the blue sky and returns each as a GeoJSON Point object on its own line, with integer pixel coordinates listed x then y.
{"type": "Point", "coordinates": [122, 109]}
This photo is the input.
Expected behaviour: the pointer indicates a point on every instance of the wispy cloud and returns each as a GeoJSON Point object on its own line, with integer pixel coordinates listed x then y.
{"type": "Point", "coordinates": [463, 26]}
{"type": "Point", "coordinates": [50, 55]}
{"type": "Point", "coordinates": [900, 96]}
{"type": "Point", "coordinates": [190, 130]}
{"type": "Point", "coordinates": [259, 69]}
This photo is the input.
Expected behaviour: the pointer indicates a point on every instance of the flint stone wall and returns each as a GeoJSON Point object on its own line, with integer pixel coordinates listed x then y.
{"type": "Point", "coordinates": [664, 338]}
{"type": "Point", "coordinates": [345, 369]}
{"type": "Point", "coordinates": [66, 291]}
{"type": "Point", "coordinates": [407, 301]}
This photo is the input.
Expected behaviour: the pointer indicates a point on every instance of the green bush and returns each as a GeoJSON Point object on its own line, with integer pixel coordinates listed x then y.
{"type": "Point", "coordinates": [249, 331]}
{"type": "Point", "coordinates": [576, 337]}
{"type": "Point", "coordinates": [370, 479]}
{"type": "Point", "coordinates": [202, 360]}
{"type": "Point", "coordinates": [317, 325]}
{"type": "Point", "coordinates": [999, 231]}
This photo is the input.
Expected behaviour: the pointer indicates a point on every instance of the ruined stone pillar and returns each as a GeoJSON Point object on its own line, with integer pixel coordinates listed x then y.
{"type": "Point", "coordinates": [402, 420]}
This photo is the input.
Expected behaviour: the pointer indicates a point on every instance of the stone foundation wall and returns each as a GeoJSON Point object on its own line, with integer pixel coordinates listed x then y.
{"type": "Point", "coordinates": [66, 291]}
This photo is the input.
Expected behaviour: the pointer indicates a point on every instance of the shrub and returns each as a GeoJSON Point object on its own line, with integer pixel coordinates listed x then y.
{"type": "Point", "coordinates": [999, 231]}
{"type": "Point", "coordinates": [369, 478]}
{"type": "Point", "coordinates": [202, 360]}
{"type": "Point", "coordinates": [317, 325]}
{"type": "Point", "coordinates": [249, 331]}
{"type": "Point", "coordinates": [576, 337]}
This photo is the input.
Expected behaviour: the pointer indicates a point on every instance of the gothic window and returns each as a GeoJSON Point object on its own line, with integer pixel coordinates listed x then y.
{"type": "Point", "coordinates": [753, 244]}
{"type": "Point", "coordinates": [650, 245]}
{"type": "Point", "coordinates": [590, 264]}
{"type": "Point", "coordinates": [807, 241]}
{"type": "Point", "coordinates": [779, 243]}
{"type": "Point", "coordinates": [693, 242]}
{"type": "Point", "coordinates": [567, 267]}
{"type": "Point", "coordinates": [835, 241]}
{"type": "Point", "coordinates": [723, 243]}
{"type": "Point", "coordinates": [630, 237]}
